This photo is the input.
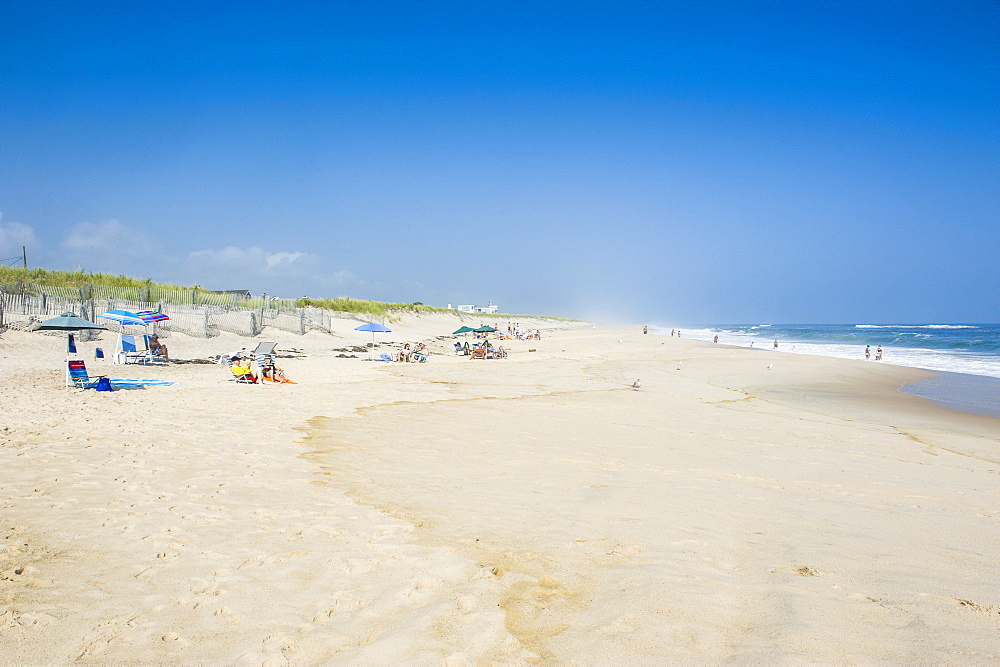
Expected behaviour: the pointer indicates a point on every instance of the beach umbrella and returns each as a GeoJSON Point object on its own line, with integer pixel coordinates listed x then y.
{"type": "Point", "coordinates": [484, 330]}
{"type": "Point", "coordinates": [150, 316]}
{"type": "Point", "coordinates": [68, 322]}
{"type": "Point", "coordinates": [123, 317]}
{"type": "Point", "coordinates": [462, 330]}
{"type": "Point", "coordinates": [375, 328]}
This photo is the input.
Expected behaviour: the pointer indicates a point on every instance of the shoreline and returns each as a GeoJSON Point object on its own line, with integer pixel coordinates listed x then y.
{"type": "Point", "coordinates": [467, 511]}
{"type": "Point", "coordinates": [962, 392]}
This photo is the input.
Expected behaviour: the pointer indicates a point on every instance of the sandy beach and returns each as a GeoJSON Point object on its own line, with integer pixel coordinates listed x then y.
{"type": "Point", "coordinates": [737, 505]}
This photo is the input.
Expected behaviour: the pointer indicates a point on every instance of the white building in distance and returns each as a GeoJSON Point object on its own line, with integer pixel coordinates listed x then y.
{"type": "Point", "coordinates": [491, 308]}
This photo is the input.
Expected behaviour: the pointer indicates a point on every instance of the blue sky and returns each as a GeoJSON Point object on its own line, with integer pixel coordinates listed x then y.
{"type": "Point", "coordinates": [673, 162]}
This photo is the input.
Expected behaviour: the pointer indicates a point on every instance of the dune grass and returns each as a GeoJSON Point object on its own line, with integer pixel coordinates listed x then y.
{"type": "Point", "coordinates": [135, 288]}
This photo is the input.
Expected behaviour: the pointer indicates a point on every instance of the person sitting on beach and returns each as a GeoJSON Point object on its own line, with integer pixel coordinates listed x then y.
{"type": "Point", "coordinates": [458, 348]}
{"type": "Point", "coordinates": [241, 369]}
{"type": "Point", "coordinates": [270, 371]}
{"type": "Point", "coordinates": [405, 354]}
{"type": "Point", "coordinates": [158, 348]}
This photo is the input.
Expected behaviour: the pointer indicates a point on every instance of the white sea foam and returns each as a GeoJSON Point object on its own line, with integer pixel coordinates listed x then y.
{"type": "Point", "coordinates": [915, 326]}
{"type": "Point", "coordinates": [937, 360]}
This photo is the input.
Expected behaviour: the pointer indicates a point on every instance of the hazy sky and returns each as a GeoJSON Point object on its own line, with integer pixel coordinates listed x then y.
{"type": "Point", "coordinates": [671, 162]}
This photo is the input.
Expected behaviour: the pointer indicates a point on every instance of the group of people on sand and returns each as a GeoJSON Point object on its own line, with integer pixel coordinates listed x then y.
{"type": "Point", "coordinates": [482, 350]}
{"type": "Point", "coordinates": [417, 354]}
{"type": "Point", "coordinates": [242, 368]}
{"type": "Point", "coordinates": [878, 352]}
{"type": "Point", "coordinates": [514, 332]}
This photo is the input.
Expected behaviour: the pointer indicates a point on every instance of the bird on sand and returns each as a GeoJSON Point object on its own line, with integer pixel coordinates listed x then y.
{"type": "Point", "coordinates": [769, 366]}
{"type": "Point", "coordinates": [679, 364]}
{"type": "Point", "coordinates": [636, 384]}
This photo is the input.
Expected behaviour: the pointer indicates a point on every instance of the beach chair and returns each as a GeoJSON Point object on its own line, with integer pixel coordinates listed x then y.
{"type": "Point", "coordinates": [262, 351]}
{"type": "Point", "coordinates": [150, 355]}
{"type": "Point", "coordinates": [242, 373]}
{"type": "Point", "coordinates": [130, 351]}
{"type": "Point", "coordinates": [385, 357]}
{"type": "Point", "coordinates": [76, 373]}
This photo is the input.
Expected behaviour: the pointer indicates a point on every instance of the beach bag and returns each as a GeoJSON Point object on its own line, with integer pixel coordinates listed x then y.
{"type": "Point", "coordinates": [103, 384]}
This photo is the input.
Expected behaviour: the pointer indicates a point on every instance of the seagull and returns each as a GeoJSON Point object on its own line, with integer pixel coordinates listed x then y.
{"type": "Point", "coordinates": [679, 364]}
{"type": "Point", "coordinates": [636, 384]}
{"type": "Point", "coordinates": [769, 366]}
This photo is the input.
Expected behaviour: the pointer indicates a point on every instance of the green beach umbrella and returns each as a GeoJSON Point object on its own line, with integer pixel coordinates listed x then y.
{"type": "Point", "coordinates": [68, 322]}
{"type": "Point", "coordinates": [484, 330]}
{"type": "Point", "coordinates": [462, 330]}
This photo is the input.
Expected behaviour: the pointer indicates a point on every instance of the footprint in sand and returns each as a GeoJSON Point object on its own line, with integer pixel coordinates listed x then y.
{"type": "Point", "coordinates": [621, 625]}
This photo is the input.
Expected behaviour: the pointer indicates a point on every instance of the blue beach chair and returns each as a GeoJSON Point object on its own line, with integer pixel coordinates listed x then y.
{"type": "Point", "coordinates": [76, 370]}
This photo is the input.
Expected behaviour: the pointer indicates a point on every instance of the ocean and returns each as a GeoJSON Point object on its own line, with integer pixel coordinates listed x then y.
{"type": "Point", "coordinates": [967, 355]}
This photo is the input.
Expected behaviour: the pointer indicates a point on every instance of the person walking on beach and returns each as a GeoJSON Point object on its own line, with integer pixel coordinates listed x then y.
{"type": "Point", "coordinates": [878, 353]}
{"type": "Point", "coordinates": [645, 330]}
{"type": "Point", "coordinates": [776, 343]}
{"type": "Point", "coordinates": [716, 340]}
{"type": "Point", "coordinates": [868, 352]}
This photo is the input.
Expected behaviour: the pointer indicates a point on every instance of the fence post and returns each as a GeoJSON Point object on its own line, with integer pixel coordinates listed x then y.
{"type": "Point", "coordinates": [302, 321]}
{"type": "Point", "coordinates": [192, 300]}
{"type": "Point", "coordinates": [205, 313]}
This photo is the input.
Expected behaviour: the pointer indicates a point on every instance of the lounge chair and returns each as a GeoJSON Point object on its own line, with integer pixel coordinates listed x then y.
{"type": "Point", "coordinates": [150, 354]}
{"type": "Point", "coordinates": [263, 350]}
{"type": "Point", "coordinates": [129, 351]}
{"type": "Point", "coordinates": [77, 375]}
{"type": "Point", "coordinates": [243, 374]}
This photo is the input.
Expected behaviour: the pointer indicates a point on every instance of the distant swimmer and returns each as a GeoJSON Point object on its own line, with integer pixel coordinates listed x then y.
{"type": "Point", "coordinates": [868, 352]}
{"type": "Point", "coordinates": [878, 353]}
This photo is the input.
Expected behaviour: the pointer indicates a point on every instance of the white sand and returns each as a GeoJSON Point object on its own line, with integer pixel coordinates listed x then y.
{"type": "Point", "coordinates": [536, 508]}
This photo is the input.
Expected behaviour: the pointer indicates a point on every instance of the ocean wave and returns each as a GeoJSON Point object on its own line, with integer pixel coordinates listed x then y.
{"type": "Point", "coordinates": [915, 326]}
{"type": "Point", "coordinates": [946, 326]}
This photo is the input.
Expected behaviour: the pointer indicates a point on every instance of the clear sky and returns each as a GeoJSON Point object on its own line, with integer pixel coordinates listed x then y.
{"type": "Point", "coordinates": [674, 162]}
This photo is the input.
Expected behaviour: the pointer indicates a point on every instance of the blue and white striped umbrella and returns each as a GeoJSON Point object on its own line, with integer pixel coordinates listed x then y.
{"type": "Point", "coordinates": [123, 316]}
